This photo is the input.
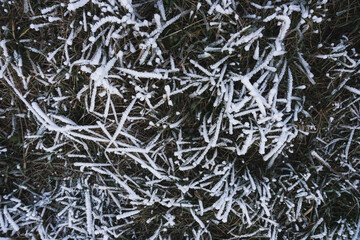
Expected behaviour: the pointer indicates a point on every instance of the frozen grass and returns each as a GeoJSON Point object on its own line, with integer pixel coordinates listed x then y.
{"type": "Point", "coordinates": [179, 119]}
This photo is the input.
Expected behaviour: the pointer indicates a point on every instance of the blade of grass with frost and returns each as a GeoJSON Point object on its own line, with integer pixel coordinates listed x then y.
{"type": "Point", "coordinates": [120, 150]}
{"type": "Point", "coordinates": [37, 115]}
{"type": "Point", "coordinates": [263, 140]}
{"type": "Point", "coordinates": [252, 182]}
{"type": "Point", "coordinates": [162, 9]}
{"type": "Point", "coordinates": [261, 102]}
{"type": "Point", "coordinates": [252, 36]}
{"type": "Point", "coordinates": [132, 194]}
{"type": "Point", "coordinates": [37, 109]}
{"type": "Point", "coordinates": [72, 35]}
{"type": "Point", "coordinates": [89, 222]}
{"type": "Point", "coordinates": [117, 143]}
{"type": "Point", "coordinates": [248, 141]}
{"type": "Point", "coordinates": [63, 119]}
{"type": "Point", "coordinates": [215, 190]}
{"type": "Point", "coordinates": [176, 124]}
{"type": "Point", "coordinates": [13, 123]}
{"type": "Point", "coordinates": [272, 96]}
{"type": "Point", "coordinates": [320, 159]}
{"type": "Point", "coordinates": [341, 85]}
{"type": "Point", "coordinates": [75, 5]}
{"type": "Point", "coordinates": [201, 68]}
{"type": "Point", "coordinates": [353, 90]}
{"type": "Point", "coordinates": [216, 65]}
{"type": "Point", "coordinates": [357, 231]}
{"type": "Point", "coordinates": [99, 80]}
{"type": "Point", "coordinates": [249, 235]}
{"type": "Point", "coordinates": [181, 90]}
{"type": "Point", "coordinates": [236, 107]}
{"type": "Point", "coordinates": [83, 231]}
{"type": "Point", "coordinates": [162, 101]}
{"type": "Point", "coordinates": [93, 96]}
{"type": "Point", "coordinates": [122, 121]}
{"type": "Point", "coordinates": [221, 77]}
{"type": "Point", "coordinates": [317, 224]}
{"type": "Point", "coordinates": [283, 30]}
{"type": "Point", "coordinates": [167, 91]}
{"type": "Point", "coordinates": [204, 132]}
{"type": "Point", "coordinates": [156, 32]}
{"type": "Point", "coordinates": [153, 141]}
{"type": "Point", "coordinates": [306, 68]}
{"type": "Point", "coordinates": [298, 208]}
{"type": "Point", "coordinates": [145, 166]}
{"type": "Point", "coordinates": [42, 232]}
{"type": "Point", "coordinates": [2, 223]}
{"type": "Point", "coordinates": [283, 70]}
{"type": "Point", "coordinates": [263, 64]}
{"type": "Point", "coordinates": [149, 75]}
{"type": "Point", "coordinates": [84, 20]}
{"type": "Point", "coordinates": [59, 214]}
{"type": "Point", "coordinates": [181, 151]}
{"type": "Point", "coordinates": [196, 218]}
{"type": "Point", "coordinates": [54, 147]}
{"type": "Point", "coordinates": [49, 9]}
{"type": "Point", "coordinates": [289, 91]}
{"type": "Point", "coordinates": [108, 19]}
{"type": "Point", "coordinates": [201, 207]}
{"type": "Point", "coordinates": [156, 234]}
{"type": "Point", "coordinates": [127, 214]}
{"type": "Point", "coordinates": [154, 35]}
{"type": "Point", "coordinates": [247, 112]}
{"type": "Point", "coordinates": [228, 207]}
{"type": "Point", "coordinates": [209, 146]}
{"type": "Point", "coordinates": [349, 143]}
{"type": "Point", "coordinates": [334, 56]}
{"type": "Point", "coordinates": [233, 37]}
{"type": "Point", "coordinates": [152, 163]}
{"type": "Point", "coordinates": [230, 96]}
{"type": "Point", "coordinates": [256, 52]}
{"type": "Point", "coordinates": [264, 206]}
{"type": "Point", "coordinates": [107, 106]}
{"type": "Point", "coordinates": [82, 165]}
{"type": "Point", "coordinates": [199, 91]}
{"type": "Point", "coordinates": [185, 166]}
{"type": "Point", "coordinates": [220, 205]}
{"type": "Point", "coordinates": [10, 219]}
{"type": "Point", "coordinates": [281, 141]}
{"type": "Point", "coordinates": [157, 20]}
{"type": "Point", "coordinates": [144, 54]}
{"type": "Point", "coordinates": [95, 60]}
{"type": "Point", "coordinates": [81, 136]}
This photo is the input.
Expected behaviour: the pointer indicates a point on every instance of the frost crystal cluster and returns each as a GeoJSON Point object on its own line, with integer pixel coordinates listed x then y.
{"type": "Point", "coordinates": [176, 120]}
